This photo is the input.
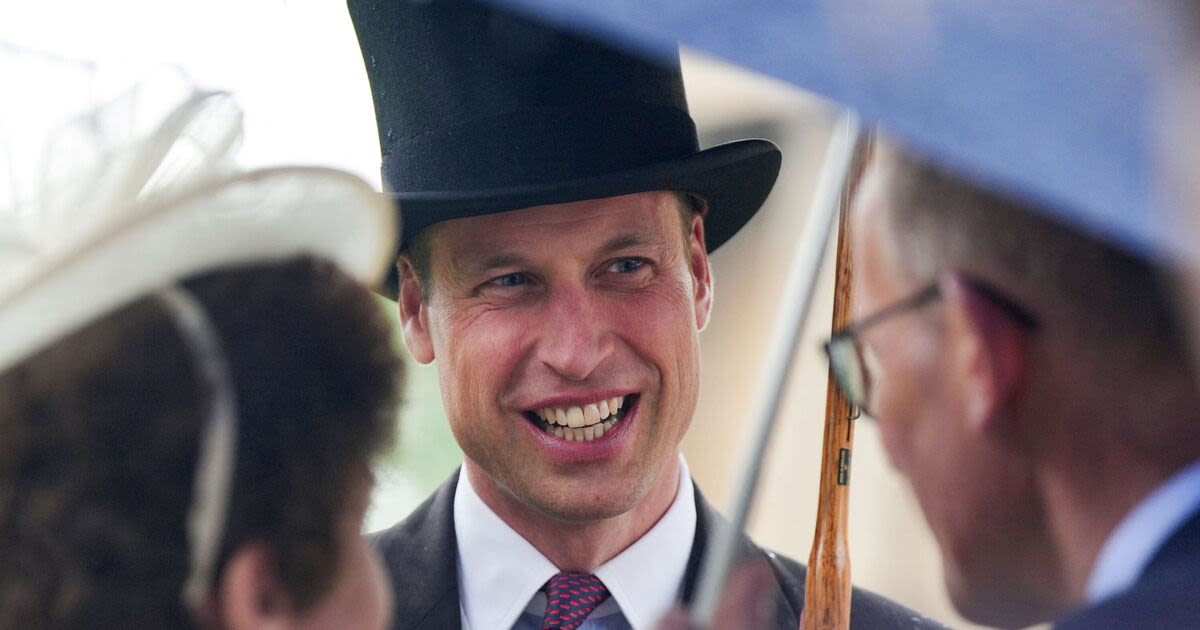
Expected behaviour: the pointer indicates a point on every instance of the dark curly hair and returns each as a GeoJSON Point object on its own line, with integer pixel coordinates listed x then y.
{"type": "Point", "coordinates": [99, 434]}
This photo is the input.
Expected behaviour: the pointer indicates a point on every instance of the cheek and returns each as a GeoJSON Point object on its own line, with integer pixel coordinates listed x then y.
{"type": "Point", "coordinates": [662, 314]}
{"type": "Point", "coordinates": [894, 407]}
{"type": "Point", "coordinates": [360, 595]}
{"type": "Point", "coordinates": [370, 604]}
{"type": "Point", "coordinates": [380, 593]}
{"type": "Point", "coordinates": [660, 326]}
{"type": "Point", "coordinates": [477, 353]}
{"type": "Point", "coordinates": [908, 400]}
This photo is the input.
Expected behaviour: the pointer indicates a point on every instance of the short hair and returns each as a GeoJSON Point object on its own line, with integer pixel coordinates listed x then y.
{"type": "Point", "coordinates": [419, 252]}
{"type": "Point", "coordinates": [99, 435]}
{"type": "Point", "coordinates": [1114, 300]}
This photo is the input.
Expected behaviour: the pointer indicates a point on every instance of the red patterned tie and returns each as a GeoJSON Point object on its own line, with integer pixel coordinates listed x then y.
{"type": "Point", "coordinates": [570, 598]}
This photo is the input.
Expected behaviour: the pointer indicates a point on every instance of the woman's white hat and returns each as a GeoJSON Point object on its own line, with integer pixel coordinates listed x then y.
{"type": "Point", "coordinates": [128, 204]}
{"type": "Point", "coordinates": [120, 213]}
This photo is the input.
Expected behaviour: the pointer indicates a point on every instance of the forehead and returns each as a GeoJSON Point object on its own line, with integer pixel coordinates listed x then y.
{"type": "Point", "coordinates": [874, 245]}
{"type": "Point", "coordinates": [871, 209]}
{"type": "Point", "coordinates": [649, 216]}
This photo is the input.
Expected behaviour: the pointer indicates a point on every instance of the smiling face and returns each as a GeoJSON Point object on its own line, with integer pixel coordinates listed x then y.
{"type": "Point", "coordinates": [566, 340]}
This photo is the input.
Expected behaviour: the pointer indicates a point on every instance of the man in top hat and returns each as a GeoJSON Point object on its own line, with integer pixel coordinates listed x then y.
{"type": "Point", "coordinates": [558, 215]}
{"type": "Point", "coordinates": [1033, 384]}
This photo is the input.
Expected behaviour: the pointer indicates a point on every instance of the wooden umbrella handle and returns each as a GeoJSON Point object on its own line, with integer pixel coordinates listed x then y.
{"type": "Point", "coordinates": [827, 588]}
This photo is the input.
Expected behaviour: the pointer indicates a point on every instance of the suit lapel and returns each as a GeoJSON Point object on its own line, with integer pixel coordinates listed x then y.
{"type": "Point", "coordinates": [421, 555]}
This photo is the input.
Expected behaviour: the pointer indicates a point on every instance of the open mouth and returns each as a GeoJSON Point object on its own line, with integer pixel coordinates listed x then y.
{"type": "Point", "coordinates": [582, 423]}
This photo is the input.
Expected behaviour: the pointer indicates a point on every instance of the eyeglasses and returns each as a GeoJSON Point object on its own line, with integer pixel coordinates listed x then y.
{"type": "Point", "coordinates": [853, 362]}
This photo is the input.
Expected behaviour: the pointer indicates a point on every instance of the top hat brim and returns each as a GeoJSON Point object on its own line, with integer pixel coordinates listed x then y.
{"type": "Point", "coordinates": [733, 179]}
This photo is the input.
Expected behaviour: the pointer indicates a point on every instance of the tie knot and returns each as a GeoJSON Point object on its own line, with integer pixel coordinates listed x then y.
{"type": "Point", "coordinates": [570, 598]}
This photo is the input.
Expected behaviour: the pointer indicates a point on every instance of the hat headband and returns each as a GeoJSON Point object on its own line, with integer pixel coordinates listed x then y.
{"type": "Point", "coordinates": [216, 456]}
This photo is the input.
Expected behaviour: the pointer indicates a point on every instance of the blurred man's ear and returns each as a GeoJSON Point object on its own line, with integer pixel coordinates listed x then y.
{"type": "Point", "coordinates": [987, 352]}
{"type": "Point", "coordinates": [702, 281]}
{"type": "Point", "coordinates": [250, 593]}
{"type": "Point", "coordinates": [414, 315]}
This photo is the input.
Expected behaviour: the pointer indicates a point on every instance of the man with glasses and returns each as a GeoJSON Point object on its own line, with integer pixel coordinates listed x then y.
{"type": "Point", "coordinates": [1033, 385]}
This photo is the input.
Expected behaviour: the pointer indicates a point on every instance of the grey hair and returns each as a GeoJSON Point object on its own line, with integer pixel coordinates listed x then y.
{"type": "Point", "coordinates": [942, 221]}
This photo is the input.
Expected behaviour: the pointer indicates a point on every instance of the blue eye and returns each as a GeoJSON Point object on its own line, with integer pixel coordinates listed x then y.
{"type": "Point", "coordinates": [628, 265]}
{"type": "Point", "coordinates": [515, 279]}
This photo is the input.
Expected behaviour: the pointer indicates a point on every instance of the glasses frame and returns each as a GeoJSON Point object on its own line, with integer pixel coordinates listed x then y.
{"type": "Point", "coordinates": [850, 334]}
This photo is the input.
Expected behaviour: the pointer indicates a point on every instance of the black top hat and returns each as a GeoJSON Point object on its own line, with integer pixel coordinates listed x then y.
{"type": "Point", "coordinates": [483, 111]}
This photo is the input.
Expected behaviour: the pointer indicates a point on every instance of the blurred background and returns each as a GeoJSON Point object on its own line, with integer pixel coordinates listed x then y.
{"type": "Point", "coordinates": [295, 68]}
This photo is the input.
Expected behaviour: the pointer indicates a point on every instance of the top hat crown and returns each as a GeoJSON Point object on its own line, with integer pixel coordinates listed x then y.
{"type": "Point", "coordinates": [480, 110]}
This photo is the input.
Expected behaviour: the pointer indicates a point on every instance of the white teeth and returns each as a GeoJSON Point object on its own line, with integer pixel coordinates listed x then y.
{"type": "Point", "coordinates": [583, 434]}
{"type": "Point", "coordinates": [574, 418]}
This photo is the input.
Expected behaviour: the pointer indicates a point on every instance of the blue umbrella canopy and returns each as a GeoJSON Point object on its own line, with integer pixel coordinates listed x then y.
{"type": "Point", "coordinates": [1052, 100]}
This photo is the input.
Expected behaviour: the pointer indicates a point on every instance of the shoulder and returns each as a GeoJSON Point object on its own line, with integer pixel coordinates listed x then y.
{"type": "Point", "coordinates": [867, 609]}
{"type": "Point", "coordinates": [1178, 610]}
{"type": "Point", "coordinates": [1165, 597]}
{"type": "Point", "coordinates": [1167, 600]}
{"type": "Point", "coordinates": [431, 524]}
{"type": "Point", "coordinates": [420, 556]}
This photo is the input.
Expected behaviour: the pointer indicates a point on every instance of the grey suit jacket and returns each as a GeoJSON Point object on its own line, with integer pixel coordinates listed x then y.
{"type": "Point", "coordinates": [420, 553]}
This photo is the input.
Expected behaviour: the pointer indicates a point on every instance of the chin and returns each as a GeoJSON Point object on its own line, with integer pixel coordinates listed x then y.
{"type": "Point", "coordinates": [584, 513]}
{"type": "Point", "coordinates": [987, 598]}
{"type": "Point", "coordinates": [582, 505]}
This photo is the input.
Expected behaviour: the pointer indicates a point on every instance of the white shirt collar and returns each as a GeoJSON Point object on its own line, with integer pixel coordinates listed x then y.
{"type": "Point", "coordinates": [1132, 545]}
{"type": "Point", "coordinates": [506, 571]}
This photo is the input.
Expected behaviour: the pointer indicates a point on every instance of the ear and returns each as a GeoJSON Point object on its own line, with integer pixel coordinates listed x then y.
{"type": "Point", "coordinates": [986, 350]}
{"type": "Point", "coordinates": [250, 594]}
{"type": "Point", "coordinates": [702, 280]}
{"type": "Point", "coordinates": [414, 313]}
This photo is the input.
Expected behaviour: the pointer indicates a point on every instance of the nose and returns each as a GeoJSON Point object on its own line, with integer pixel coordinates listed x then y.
{"type": "Point", "coordinates": [574, 339]}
